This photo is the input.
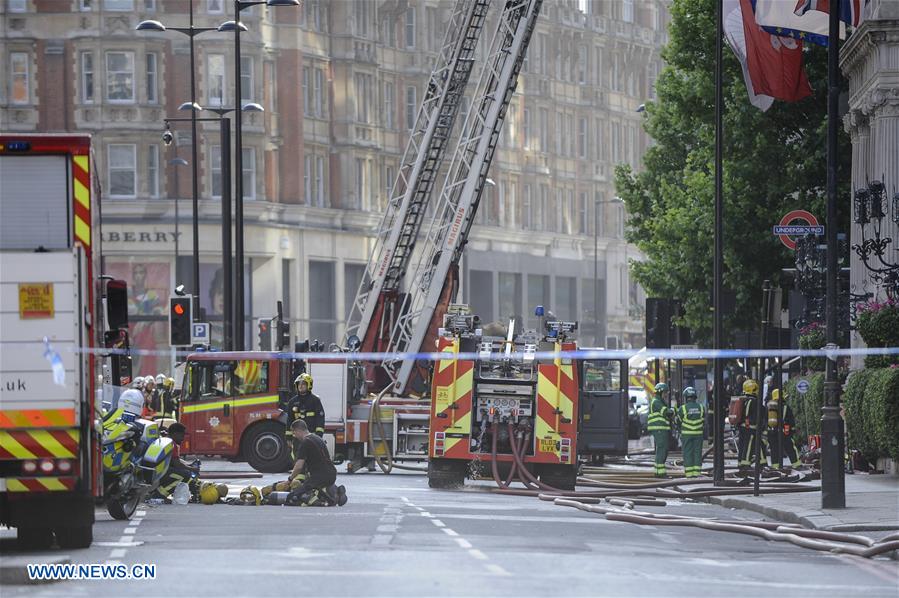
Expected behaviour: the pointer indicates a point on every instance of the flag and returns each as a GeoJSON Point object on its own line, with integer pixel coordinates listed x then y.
{"type": "Point", "coordinates": [774, 63]}
{"type": "Point", "coordinates": [733, 33]}
{"type": "Point", "coordinates": [850, 10]}
{"type": "Point", "coordinates": [778, 18]}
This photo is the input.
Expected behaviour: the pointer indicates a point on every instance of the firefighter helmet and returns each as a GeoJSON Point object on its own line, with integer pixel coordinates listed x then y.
{"type": "Point", "coordinates": [251, 495]}
{"type": "Point", "coordinates": [170, 383]}
{"type": "Point", "coordinates": [660, 388]}
{"type": "Point", "coordinates": [160, 379]}
{"type": "Point", "coordinates": [751, 387]}
{"type": "Point", "coordinates": [209, 494]}
{"type": "Point", "coordinates": [690, 393]}
{"type": "Point", "coordinates": [775, 394]}
{"type": "Point", "coordinates": [304, 377]}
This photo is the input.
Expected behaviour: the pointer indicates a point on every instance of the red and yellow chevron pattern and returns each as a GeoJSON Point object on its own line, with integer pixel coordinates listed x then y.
{"type": "Point", "coordinates": [39, 444]}
{"type": "Point", "coordinates": [37, 418]}
{"type": "Point", "coordinates": [452, 385]}
{"type": "Point", "coordinates": [82, 191]}
{"type": "Point", "coordinates": [557, 401]}
{"type": "Point", "coordinates": [51, 484]}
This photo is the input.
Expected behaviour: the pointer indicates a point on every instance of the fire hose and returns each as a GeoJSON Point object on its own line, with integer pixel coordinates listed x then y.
{"type": "Point", "coordinates": [772, 531]}
{"type": "Point", "coordinates": [374, 420]}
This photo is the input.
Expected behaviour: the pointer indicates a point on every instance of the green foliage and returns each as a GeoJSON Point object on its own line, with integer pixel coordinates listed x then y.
{"type": "Point", "coordinates": [878, 323]}
{"type": "Point", "coordinates": [871, 406]}
{"type": "Point", "coordinates": [813, 336]}
{"type": "Point", "coordinates": [807, 407]}
{"type": "Point", "coordinates": [774, 162]}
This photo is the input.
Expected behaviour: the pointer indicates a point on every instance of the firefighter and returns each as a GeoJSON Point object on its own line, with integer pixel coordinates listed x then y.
{"type": "Point", "coordinates": [318, 487]}
{"type": "Point", "coordinates": [307, 407]}
{"type": "Point", "coordinates": [788, 429]}
{"type": "Point", "coordinates": [748, 426]}
{"type": "Point", "coordinates": [659, 426]}
{"type": "Point", "coordinates": [691, 416]}
{"type": "Point", "coordinates": [179, 470]}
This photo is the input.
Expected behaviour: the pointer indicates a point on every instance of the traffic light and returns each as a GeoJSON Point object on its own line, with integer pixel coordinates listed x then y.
{"type": "Point", "coordinates": [658, 323]}
{"type": "Point", "coordinates": [283, 335]}
{"type": "Point", "coordinates": [179, 321]}
{"type": "Point", "coordinates": [265, 335]}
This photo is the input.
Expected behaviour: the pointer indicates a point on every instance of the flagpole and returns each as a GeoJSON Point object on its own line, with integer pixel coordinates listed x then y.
{"type": "Point", "coordinates": [833, 483]}
{"type": "Point", "coordinates": [718, 396]}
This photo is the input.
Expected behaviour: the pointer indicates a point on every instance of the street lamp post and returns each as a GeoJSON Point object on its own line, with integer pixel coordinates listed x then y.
{"type": "Point", "coordinates": [176, 161]}
{"type": "Point", "coordinates": [237, 27]}
{"type": "Point", "coordinates": [190, 32]}
{"type": "Point", "coordinates": [596, 204]}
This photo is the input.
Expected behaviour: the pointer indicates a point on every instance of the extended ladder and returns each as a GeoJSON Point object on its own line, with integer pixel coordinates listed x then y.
{"type": "Point", "coordinates": [399, 229]}
{"type": "Point", "coordinates": [458, 200]}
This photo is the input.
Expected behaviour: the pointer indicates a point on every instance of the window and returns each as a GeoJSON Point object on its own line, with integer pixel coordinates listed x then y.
{"type": "Point", "coordinates": [527, 221]}
{"type": "Point", "coordinates": [526, 128]}
{"type": "Point", "coordinates": [318, 79]}
{"type": "Point", "coordinates": [363, 184]}
{"type": "Point", "coordinates": [16, 5]}
{"type": "Point", "coordinates": [541, 60]}
{"type": "Point", "coordinates": [569, 132]}
{"type": "Point", "coordinates": [307, 178]}
{"type": "Point", "coordinates": [389, 178]}
{"type": "Point", "coordinates": [153, 170]}
{"type": "Point", "coordinates": [388, 32]}
{"type": "Point", "coordinates": [122, 161]}
{"type": "Point", "coordinates": [322, 302]}
{"type": "Point", "coordinates": [582, 138]}
{"type": "Point", "coordinates": [320, 181]}
{"type": "Point", "coordinates": [251, 377]}
{"type": "Point", "coordinates": [565, 306]}
{"type": "Point", "coordinates": [541, 222]}
{"type": "Point", "coordinates": [363, 92]}
{"type": "Point", "coordinates": [560, 211]}
{"type": "Point", "coordinates": [362, 17]}
{"type": "Point", "coordinates": [313, 14]}
{"type": "Point", "coordinates": [582, 64]}
{"type": "Point", "coordinates": [215, 80]}
{"type": "Point", "coordinates": [480, 294]}
{"type": "Point", "coordinates": [597, 68]}
{"type": "Point", "coordinates": [569, 212]}
{"type": "Point", "coordinates": [152, 90]}
{"type": "Point", "coordinates": [246, 78]}
{"type": "Point", "coordinates": [87, 77]}
{"type": "Point", "coordinates": [602, 151]}
{"type": "Point", "coordinates": [215, 170]}
{"type": "Point", "coordinates": [215, 7]}
{"type": "Point", "coordinates": [120, 76]}
{"type": "Point", "coordinates": [582, 212]}
{"type": "Point", "coordinates": [509, 296]}
{"type": "Point", "coordinates": [411, 105]}
{"type": "Point", "coordinates": [150, 5]}
{"type": "Point", "coordinates": [599, 214]}
{"type": "Point", "coordinates": [432, 18]}
{"type": "Point", "coordinates": [560, 134]}
{"type": "Point", "coordinates": [389, 105]}
{"type": "Point", "coordinates": [20, 85]}
{"type": "Point", "coordinates": [215, 380]}
{"type": "Point", "coordinates": [249, 173]}
{"type": "Point", "coordinates": [307, 91]}
{"type": "Point", "coordinates": [410, 27]}
{"type": "Point", "coordinates": [544, 130]}
{"type": "Point", "coordinates": [118, 4]}
{"type": "Point", "coordinates": [627, 11]}
{"type": "Point", "coordinates": [85, 5]}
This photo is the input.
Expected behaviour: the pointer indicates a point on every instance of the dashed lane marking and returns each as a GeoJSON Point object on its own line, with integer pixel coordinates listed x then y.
{"type": "Point", "coordinates": [462, 542]}
{"type": "Point", "coordinates": [477, 554]}
{"type": "Point", "coordinates": [448, 531]}
{"type": "Point", "coordinates": [497, 569]}
{"type": "Point", "coordinates": [438, 523]}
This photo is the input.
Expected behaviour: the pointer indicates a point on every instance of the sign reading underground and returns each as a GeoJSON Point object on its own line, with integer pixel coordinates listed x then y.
{"type": "Point", "coordinates": [786, 229]}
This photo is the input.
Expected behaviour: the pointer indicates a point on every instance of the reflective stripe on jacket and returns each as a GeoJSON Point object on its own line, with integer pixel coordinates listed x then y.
{"type": "Point", "coordinates": [658, 416]}
{"type": "Point", "coordinates": [692, 418]}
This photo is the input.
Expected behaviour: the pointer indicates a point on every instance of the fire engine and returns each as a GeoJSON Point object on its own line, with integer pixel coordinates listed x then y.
{"type": "Point", "coordinates": [530, 386]}
{"type": "Point", "coordinates": [52, 318]}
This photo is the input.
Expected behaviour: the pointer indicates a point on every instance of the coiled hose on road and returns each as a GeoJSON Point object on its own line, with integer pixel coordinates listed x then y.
{"type": "Point", "coordinates": [374, 419]}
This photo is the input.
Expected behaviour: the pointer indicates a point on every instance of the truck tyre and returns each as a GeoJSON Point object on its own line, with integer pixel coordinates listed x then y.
{"type": "Point", "coordinates": [563, 477]}
{"type": "Point", "coordinates": [122, 508]}
{"type": "Point", "coordinates": [34, 538]}
{"type": "Point", "coordinates": [443, 473]}
{"type": "Point", "coordinates": [265, 448]}
{"type": "Point", "coordinates": [75, 537]}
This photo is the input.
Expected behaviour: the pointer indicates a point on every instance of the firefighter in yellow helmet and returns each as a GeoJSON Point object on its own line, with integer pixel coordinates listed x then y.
{"type": "Point", "coordinates": [305, 406]}
{"type": "Point", "coordinates": [748, 426]}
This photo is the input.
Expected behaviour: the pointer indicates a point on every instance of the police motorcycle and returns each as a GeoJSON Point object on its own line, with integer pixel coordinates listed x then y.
{"type": "Point", "coordinates": [135, 456]}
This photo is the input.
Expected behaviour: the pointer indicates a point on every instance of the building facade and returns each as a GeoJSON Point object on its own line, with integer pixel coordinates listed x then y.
{"type": "Point", "coordinates": [340, 82]}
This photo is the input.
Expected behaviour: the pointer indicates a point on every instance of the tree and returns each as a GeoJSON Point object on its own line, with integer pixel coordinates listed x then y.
{"type": "Point", "coordinates": [774, 162]}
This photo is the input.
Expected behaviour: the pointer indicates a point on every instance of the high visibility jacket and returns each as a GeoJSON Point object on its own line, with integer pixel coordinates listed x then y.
{"type": "Point", "coordinates": [658, 416]}
{"type": "Point", "coordinates": [692, 418]}
{"type": "Point", "coordinates": [308, 408]}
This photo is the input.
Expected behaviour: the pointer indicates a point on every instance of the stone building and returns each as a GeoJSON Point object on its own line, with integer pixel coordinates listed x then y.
{"type": "Point", "coordinates": [340, 83]}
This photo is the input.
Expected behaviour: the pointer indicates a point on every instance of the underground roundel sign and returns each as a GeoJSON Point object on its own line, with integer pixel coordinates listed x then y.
{"type": "Point", "coordinates": [790, 226]}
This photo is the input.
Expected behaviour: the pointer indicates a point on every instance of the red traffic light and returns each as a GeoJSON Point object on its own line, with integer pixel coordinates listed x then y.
{"type": "Point", "coordinates": [179, 309]}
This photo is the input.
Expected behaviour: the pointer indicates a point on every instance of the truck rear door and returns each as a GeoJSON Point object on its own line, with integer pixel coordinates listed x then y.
{"type": "Point", "coordinates": [603, 404]}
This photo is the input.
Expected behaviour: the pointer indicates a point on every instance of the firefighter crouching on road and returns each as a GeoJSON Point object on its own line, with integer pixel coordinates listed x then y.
{"type": "Point", "coordinates": [659, 426]}
{"type": "Point", "coordinates": [179, 470]}
{"type": "Point", "coordinates": [318, 488]}
{"type": "Point", "coordinates": [787, 428]}
{"type": "Point", "coordinates": [692, 417]}
{"type": "Point", "coordinates": [307, 407]}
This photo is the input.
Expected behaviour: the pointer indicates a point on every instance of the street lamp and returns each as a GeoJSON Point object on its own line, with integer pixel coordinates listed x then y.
{"type": "Point", "coordinates": [596, 204]}
{"type": "Point", "coordinates": [176, 161]}
{"type": "Point", "coordinates": [191, 32]}
{"type": "Point", "coordinates": [237, 27]}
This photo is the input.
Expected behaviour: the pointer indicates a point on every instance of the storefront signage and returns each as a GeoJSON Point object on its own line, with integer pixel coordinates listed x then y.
{"type": "Point", "coordinates": [133, 236]}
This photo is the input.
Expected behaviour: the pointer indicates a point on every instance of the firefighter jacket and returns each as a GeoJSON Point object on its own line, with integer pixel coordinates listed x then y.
{"type": "Point", "coordinates": [658, 416]}
{"type": "Point", "coordinates": [307, 407]}
{"type": "Point", "coordinates": [789, 422]}
{"type": "Point", "coordinates": [749, 414]}
{"type": "Point", "coordinates": [692, 417]}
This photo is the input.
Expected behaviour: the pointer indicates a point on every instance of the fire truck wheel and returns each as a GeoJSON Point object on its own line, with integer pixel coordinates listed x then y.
{"type": "Point", "coordinates": [265, 448]}
{"type": "Point", "coordinates": [34, 538]}
{"type": "Point", "coordinates": [75, 537]}
{"type": "Point", "coordinates": [443, 473]}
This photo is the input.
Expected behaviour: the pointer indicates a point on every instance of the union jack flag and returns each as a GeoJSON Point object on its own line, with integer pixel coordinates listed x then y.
{"type": "Point", "coordinates": [850, 10]}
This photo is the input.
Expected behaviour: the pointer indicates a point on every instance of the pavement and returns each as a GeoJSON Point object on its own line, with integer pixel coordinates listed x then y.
{"type": "Point", "coordinates": [396, 537]}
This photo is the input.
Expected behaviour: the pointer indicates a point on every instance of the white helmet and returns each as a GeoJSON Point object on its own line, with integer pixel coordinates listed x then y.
{"type": "Point", "coordinates": [160, 379]}
{"type": "Point", "coordinates": [138, 382]}
{"type": "Point", "coordinates": [132, 401]}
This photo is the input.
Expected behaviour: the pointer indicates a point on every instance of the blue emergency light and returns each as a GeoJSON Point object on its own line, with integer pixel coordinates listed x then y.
{"type": "Point", "coordinates": [539, 311]}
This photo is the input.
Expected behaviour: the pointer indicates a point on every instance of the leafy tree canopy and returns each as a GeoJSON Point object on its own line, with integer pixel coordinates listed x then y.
{"type": "Point", "coordinates": [774, 162]}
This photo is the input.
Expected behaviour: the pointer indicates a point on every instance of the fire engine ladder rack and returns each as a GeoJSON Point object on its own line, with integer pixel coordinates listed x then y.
{"type": "Point", "coordinates": [399, 229]}
{"type": "Point", "coordinates": [458, 200]}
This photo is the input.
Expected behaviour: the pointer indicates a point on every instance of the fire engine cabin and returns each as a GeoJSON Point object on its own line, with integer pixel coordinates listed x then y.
{"type": "Point", "coordinates": [232, 407]}
{"type": "Point", "coordinates": [559, 408]}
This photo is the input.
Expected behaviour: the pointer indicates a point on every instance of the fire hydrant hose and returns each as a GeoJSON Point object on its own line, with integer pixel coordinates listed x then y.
{"type": "Point", "coordinates": [374, 420]}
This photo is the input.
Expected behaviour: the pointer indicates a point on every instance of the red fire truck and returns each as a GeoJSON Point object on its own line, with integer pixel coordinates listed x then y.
{"type": "Point", "coordinates": [50, 470]}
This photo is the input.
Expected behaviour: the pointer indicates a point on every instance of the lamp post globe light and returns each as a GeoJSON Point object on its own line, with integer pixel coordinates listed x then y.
{"type": "Point", "coordinates": [191, 32]}
{"type": "Point", "coordinates": [237, 27]}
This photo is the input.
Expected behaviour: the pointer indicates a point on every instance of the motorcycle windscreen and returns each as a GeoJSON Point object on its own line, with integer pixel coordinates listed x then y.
{"type": "Point", "coordinates": [603, 407]}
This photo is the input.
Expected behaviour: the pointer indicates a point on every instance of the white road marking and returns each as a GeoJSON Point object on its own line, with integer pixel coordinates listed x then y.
{"type": "Point", "coordinates": [426, 514]}
{"type": "Point", "coordinates": [438, 523]}
{"type": "Point", "coordinates": [463, 543]}
{"type": "Point", "coordinates": [405, 500]}
{"type": "Point", "coordinates": [523, 518]}
{"type": "Point", "coordinates": [477, 554]}
{"type": "Point", "coordinates": [497, 569]}
{"type": "Point", "coordinates": [135, 522]}
{"type": "Point", "coordinates": [419, 508]}
{"type": "Point", "coordinates": [130, 530]}
{"type": "Point", "coordinates": [448, 531]}
{"type": "Point", "coordinates": [117, 553]}
{"type": "Point", "coordinates": [126, 539]}
{"type": "Point", "coordinates": [386, 529]}
{"type": "Point", "coordinates": [140, 514]}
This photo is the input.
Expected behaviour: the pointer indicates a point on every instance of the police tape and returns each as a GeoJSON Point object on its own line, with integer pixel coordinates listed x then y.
{"type": "Point", "coordinates": [642, 354]}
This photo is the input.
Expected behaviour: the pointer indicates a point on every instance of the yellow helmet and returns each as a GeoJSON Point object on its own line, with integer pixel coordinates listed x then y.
{"type": "Point", "coordinates": [251, 494]}
{"type": "Point", "coordinates": [751, 387]}
{"type": "Point", "coordinates": [775, 394]}
{"type": "Point", "coordinates": [304, 378]}
{"type": "Point", "coordinates": [209, 494]}
{"type": "Point", "coordinates": [266, 490]}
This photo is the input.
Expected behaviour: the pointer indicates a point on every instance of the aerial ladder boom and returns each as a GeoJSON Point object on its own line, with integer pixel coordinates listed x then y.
{"type": "Point", "coordinates": [375, 307]}
{"type": "Point", "coordinates": [457, 203]}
